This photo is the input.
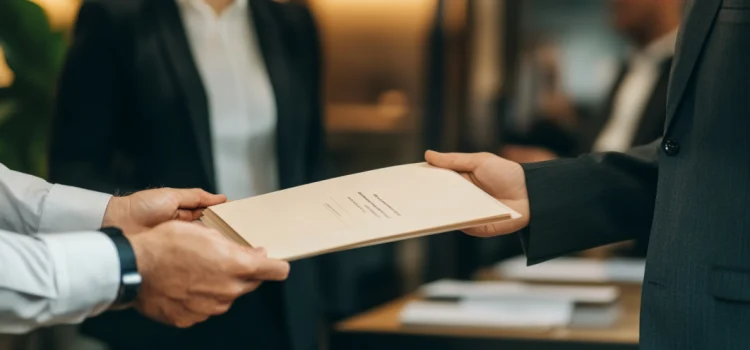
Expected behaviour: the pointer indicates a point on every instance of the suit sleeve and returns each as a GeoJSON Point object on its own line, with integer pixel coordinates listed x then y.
{"type": "Point", "coordinates": [589, 201]}
{"type": "Point", "coordinates": [90, 104]}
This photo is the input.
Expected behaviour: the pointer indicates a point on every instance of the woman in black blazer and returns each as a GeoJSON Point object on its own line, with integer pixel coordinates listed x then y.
{"type": "Point", "coordinates": [219, 95]}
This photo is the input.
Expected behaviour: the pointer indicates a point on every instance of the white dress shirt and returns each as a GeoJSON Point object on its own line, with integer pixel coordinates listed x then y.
{"type": "Point", "coordinates": [46, 276]}
{"type": "Point", "coordinates": [633, 94]}
{"type": "Point", "coordinates": [241, 102]}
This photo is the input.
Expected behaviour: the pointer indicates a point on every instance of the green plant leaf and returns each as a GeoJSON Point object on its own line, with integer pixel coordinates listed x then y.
{"type": "Point", "coordinates": [35, 54]}
{"type": "Point", "coordinates": [7, 108]}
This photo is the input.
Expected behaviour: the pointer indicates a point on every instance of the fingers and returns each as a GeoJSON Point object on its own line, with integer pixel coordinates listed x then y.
{"type": "Point", "coordinates": [255, 266]}
{"type": "Point", "coordinates": [197, 198]}
{"type": "Point", "coordinates": [493, 229]}
{"type": "Point", "coordinates": [196, 214]}
{"type": "Point", "coordinates": [213, 299]}
{"type": "Point", "coordinates": [183, 215]}
{"type": "Point", "coordinates": [188, 226]}
{"type": "Point", "coordinates": [187, 214]}
{"type": "Point", "coordinates": [171, 312]}
{"type": "Point", "coordinates": [207, 305]}
{"type": "Point", "coordinates": [182, 317]}
{"type": "Point", "coordinates": [260, 251]}
{"type": "Point", "coordinates": [460, 162]}
{"type": "Point", "coordinates": [250, 286]}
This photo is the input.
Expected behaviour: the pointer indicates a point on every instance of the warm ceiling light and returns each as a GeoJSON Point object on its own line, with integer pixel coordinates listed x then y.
{"type": "Point", "coordinates": [6, 75]}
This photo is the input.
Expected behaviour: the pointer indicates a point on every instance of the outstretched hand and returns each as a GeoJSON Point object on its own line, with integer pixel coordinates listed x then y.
{"type": "Point", "coordinates": [501, 178]}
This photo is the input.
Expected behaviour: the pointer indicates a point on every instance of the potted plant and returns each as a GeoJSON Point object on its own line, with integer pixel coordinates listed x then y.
{"type": "Point", "coordinates": [35, 53]}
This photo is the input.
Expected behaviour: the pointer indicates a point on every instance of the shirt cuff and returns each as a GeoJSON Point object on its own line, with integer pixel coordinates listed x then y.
{"type": "Point", "coordinates": [72, 209]}
{"type": "Point", "coordinates": [87, 273]}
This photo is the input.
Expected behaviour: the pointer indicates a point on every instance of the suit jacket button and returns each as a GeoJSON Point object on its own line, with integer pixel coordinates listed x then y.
{"type": "Point", "coordinates": [670, 147]}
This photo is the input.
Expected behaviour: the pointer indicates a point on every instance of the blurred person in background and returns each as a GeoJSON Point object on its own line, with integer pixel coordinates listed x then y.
{"type": "Point", "coordinates": [222, 95]}
{"type": "Point", "coordinates": [635, 110]}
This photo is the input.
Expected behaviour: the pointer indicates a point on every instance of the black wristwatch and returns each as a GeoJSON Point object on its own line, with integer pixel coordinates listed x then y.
{"type": "Point", "coordinates": [130, 278]}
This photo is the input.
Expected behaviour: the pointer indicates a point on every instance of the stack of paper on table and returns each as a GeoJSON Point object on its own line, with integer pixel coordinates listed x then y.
{"type": "Point", "coordinates": [358, 210]}
{"type": "Point", "coordinates": [569, 269]}
{"type": "Point", "coordinates": [446, 289]}
{"type": "Point", "coordinates": [512, 304]}
{"type": "Point", "coordinates": [489, 313]}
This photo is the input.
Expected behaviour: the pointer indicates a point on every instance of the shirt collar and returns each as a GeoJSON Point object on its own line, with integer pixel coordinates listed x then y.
{"type": "Point", "coordinates": [662, 47]}
{"type": "Point", "coordinates": [659, 49]}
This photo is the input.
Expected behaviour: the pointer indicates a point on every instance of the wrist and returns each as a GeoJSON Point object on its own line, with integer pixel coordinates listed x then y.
{"type": "Point", "coordinates": [524, 204]}
{"type": "Point", "coordinates": [116, 212]}
{"type": "Point", "coordinates": [142, 253]}
{"type": "Point", "coordinates": [130, 277]}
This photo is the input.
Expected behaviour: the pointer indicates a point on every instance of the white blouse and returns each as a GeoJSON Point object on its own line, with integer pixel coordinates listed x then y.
{"type": "Point", "coordinates": [241, 102]}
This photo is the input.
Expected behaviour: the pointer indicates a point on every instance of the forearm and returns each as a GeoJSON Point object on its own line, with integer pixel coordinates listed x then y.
{"type": "Point", "coordinates": [30, 204]}
{"type": "Point", "coordinates": [58, 278]}
{"type": "Point", "coordinates": [589, 201]}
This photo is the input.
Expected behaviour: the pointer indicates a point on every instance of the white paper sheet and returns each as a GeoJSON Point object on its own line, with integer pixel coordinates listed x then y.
{"type": "Point", "coordinates": [499, 290]}
{"type": "Point", "coordinates": [568, 269]}
{"type": "Point", "coordinates": [489, 313]}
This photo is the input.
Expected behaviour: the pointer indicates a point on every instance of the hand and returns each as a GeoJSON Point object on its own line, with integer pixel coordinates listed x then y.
{"type": "Point", "coordinates": [501, 178]}
{"type": "Point", "coordinates": [526, 154]}
{"type": "Point", "coordinates": [145, 209]}
{"type": "Point", "coordinates": [191, 272]}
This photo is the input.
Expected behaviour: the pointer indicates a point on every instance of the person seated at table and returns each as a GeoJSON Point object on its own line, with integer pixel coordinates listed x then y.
{"type": "Point", "coordinates": [222, 95]}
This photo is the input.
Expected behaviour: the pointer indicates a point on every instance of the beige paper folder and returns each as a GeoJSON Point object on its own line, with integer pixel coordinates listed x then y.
{"type": "Point", "coordinates": [359, 210]}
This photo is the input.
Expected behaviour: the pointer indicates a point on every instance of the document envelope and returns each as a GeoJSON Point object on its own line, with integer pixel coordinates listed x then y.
{"type": "Point", "coordinates": [358, 210]}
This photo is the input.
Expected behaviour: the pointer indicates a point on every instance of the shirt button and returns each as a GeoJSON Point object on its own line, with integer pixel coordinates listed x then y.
{"type": "Point", "coordinates": [670, 147]}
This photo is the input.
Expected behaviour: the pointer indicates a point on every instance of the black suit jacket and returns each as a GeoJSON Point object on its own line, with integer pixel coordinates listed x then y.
{"type": "Point", "coordinates": [650, 127]}
{"type": "Point", "coordinates": [133, 114]}
{"type": "Point", "coordinates": [689, 192]}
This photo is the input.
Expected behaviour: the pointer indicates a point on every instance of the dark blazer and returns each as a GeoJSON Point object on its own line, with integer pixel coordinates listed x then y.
{"type": "Point", "coordinates": [689, 192]}
{"type": "Point", "coordinates": [650, 127]}
{"type": "Point", "coordinates": [133, 114]}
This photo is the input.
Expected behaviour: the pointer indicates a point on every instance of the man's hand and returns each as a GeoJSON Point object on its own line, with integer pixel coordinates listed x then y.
{"type": "Point", "coordinates": [191, 272]}
{"type": "Point", "coordinates": [145, 209]}
{"type": "Point", "coordinates": [499, 177]}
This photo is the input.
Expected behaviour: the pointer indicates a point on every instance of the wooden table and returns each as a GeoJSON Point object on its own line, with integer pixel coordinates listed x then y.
{"type": "Point", "coordinates": [381, 329]}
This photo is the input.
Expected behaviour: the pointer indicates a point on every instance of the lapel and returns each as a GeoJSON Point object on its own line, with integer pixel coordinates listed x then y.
{"type": "Point", "coordinates": [697, 25]}
{"type": "Point", "coordinates": [182, 63]}
{"type": "Point", "coordinates": [264, 15]}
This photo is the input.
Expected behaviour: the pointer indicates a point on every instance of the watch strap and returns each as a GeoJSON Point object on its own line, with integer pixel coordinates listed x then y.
{"type": "Point", "coordinates": [130, 279]}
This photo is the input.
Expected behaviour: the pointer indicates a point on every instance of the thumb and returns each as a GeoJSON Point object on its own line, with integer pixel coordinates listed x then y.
{"type": "Point", "coordinates": [195, 198]}
{"type": "Point", "coordinates": [460, 162]}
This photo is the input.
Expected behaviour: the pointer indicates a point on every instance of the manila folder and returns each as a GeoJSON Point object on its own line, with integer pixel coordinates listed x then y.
{"type": "Point", "coordinates": [358, 210]}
